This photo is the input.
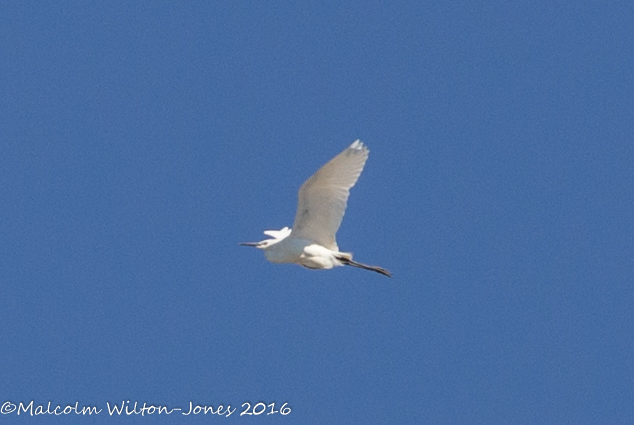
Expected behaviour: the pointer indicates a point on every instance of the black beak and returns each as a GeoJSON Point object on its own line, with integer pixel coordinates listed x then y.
{"type": "Point", "coordinates": [254, 244]}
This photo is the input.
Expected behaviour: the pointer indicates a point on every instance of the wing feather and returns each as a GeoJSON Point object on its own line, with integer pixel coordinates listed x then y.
{"type": "Point", "coordinates": [323, 197]}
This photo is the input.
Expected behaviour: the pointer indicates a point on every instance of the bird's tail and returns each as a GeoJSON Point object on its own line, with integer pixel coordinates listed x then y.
{"type": "Point", "coordinates": [347, 260]}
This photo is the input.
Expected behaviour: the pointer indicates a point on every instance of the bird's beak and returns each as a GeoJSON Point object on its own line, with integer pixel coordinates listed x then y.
{"type": "Point", "coordinates": [254, 244]}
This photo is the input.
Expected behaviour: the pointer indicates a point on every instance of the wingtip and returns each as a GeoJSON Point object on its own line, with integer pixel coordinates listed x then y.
{"type": "Point", "coordinates": [358, 145]}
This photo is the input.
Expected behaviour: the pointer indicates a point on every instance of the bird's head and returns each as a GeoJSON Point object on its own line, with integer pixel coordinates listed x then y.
{"type": "Point", "coordinates": [261, 245]}
{"type": "Point", "coordinates": [278, 235]}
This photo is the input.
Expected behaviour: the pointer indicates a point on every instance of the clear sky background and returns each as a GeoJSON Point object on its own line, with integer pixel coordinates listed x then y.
{"type": "Point", "coordinates": [141, 141]}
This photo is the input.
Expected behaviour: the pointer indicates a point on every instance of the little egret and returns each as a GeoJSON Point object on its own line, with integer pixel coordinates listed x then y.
{"type": "Point", "coordinates": [322, 203]}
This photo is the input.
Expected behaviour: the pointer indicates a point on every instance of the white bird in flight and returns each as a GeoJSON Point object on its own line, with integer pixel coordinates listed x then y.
{"type": "Point", "coordinates": [322, 203]}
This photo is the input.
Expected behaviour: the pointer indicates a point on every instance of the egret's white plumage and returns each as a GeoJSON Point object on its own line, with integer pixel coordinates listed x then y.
{"type": "Point", "coordinates": [322, 204]}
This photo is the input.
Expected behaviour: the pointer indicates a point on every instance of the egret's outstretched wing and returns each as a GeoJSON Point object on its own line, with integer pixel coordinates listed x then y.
{"type": "Point", "coordinates": [324, 196]}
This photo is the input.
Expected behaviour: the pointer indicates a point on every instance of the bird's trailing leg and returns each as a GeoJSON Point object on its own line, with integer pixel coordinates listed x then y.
{"type": "Point", "coordinates": [348, 262]}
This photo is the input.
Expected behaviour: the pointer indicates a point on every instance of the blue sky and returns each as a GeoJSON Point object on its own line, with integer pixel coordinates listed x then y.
{"type": "Point", "coordinates": [141, 141]}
